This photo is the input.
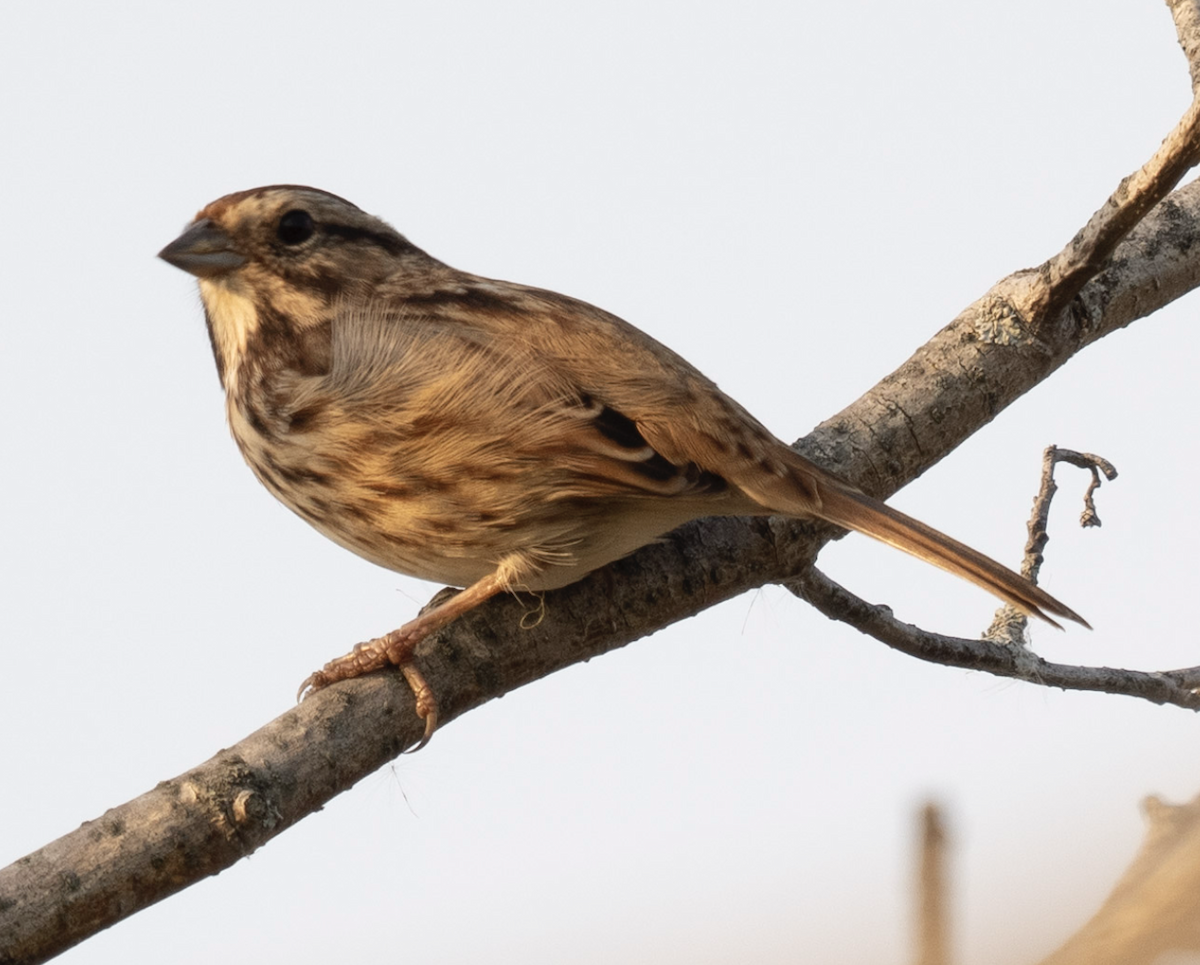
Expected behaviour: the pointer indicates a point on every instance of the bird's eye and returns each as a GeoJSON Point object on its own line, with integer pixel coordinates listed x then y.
{"type": "Point", "coordinates": [295, 227]}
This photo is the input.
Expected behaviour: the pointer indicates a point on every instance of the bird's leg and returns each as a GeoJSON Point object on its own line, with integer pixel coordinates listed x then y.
{"type": "Point", "coordinates": [396, 648]}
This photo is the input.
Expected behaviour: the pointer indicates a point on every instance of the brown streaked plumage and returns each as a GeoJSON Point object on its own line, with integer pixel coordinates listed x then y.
{"type": "Point", "coordinates": [481, 433]}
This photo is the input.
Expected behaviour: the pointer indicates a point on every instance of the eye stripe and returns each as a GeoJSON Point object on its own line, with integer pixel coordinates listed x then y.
{"type": "Point", "coordinates": [392, 244]}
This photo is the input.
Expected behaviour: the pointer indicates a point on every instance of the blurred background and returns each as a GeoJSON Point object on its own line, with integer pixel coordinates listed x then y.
{"type": "Point", "coordinates": [794, 196]}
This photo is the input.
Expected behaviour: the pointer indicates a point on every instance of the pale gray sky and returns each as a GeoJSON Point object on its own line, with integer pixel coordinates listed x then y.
{"type": "Point", "coordinates": [794, 196]}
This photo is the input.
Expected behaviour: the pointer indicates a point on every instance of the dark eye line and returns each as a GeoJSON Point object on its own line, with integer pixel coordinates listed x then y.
{"type": "Point", "coordinates": [389, 243]}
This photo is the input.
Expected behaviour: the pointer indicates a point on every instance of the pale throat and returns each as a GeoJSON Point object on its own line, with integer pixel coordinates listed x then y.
{"type": "Point", "coordinates": [234, 319]}
{"type": "Point", "coordinates": [233, 307]}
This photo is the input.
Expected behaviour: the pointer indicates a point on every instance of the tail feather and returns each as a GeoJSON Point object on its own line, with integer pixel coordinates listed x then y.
{"type": "Point", "coordinates": [857, 511]}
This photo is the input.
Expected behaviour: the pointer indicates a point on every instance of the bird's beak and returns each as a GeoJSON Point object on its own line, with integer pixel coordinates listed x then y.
{"type": "Point", "coordinates": [204, 250]}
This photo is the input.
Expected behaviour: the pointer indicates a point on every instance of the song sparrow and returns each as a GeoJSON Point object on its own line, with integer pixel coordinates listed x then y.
{"type": "Point", "coordinates": [481, 433]}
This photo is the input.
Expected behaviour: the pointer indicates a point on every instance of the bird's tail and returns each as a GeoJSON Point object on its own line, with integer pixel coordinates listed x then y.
{"type": "Point", "coordinates": [854, 510]}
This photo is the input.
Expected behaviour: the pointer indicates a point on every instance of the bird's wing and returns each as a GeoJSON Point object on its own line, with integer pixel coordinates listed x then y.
{"type": "Point", "coordinates": [416, 366]}
{"type": "Point", "coordinates": [686, 420]}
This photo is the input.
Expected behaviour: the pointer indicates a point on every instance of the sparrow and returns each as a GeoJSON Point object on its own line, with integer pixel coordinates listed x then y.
{"type": "Point", "coordinates": [481, 433]}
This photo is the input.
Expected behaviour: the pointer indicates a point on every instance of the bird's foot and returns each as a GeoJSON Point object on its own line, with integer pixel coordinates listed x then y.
{"type": "Point", "coordinates": [392, 649]}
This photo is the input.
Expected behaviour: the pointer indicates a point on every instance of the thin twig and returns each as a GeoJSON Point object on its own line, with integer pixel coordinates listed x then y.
{"type": "Point", "coordinates": [1096, 465]}
{"type": "Point", "coordinates": [1177, 687]}
{"type": "Point", "coordinates": [1040, 517]}
{"type": "Point", "coordinates": [1186, 14]}
{"type": "Point", "coordinates": [1009, 623]}
{"type": "Point", "coordinates": [1062, 277]}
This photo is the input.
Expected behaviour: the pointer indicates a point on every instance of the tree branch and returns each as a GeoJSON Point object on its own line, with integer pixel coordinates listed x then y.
{"type": "Point", "coordinates": [987, 357]}
{"type": "Point", "coordinates": [1186, 14]}
{"type": "Point", "coordinates": [1178, 687]}
{"type": "Point", "coordinates": [1061, 277]}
